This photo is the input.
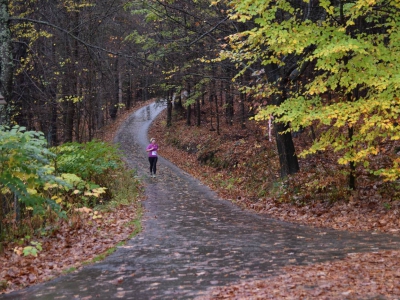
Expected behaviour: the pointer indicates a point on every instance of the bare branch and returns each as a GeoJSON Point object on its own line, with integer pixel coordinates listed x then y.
{"type": "Point", "coordinates": [87, 45]}
{"type": "Point", "coordinates": [209, 31]}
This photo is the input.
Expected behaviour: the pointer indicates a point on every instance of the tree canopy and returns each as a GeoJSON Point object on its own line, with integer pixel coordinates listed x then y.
{"type": "Point", "coordinates": [331, 64]}
{"type": "Point", "coordinates": [338, 65]}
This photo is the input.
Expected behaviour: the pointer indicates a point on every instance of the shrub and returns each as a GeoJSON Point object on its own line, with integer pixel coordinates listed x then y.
{"type": "Point", "coordinates": [24, 171]}
{"type": "Point", "coordinates": [90, 160]}
{"type": "Point", "coordinates": [94, 162]}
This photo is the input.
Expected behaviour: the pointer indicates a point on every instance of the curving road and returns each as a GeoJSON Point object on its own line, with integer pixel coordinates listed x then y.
{"type": "Point", "coordinates": [193, 241]}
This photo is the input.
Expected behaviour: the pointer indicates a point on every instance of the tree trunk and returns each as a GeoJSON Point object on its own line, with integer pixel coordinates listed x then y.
{"type": "Point", "coordinates": [78, 117]}
{"type": "Point", "coordinates": [287, 155]}
{"type": "Point", "coordinates": [229, 105]}
{"type": "Point", "coordinates": [178, 103]}
{"type": "Point", "coordinates": [198, 112]}
{"type": "Point", "coordinates": [6, 59]}
{"type": "Point", "coordinates": [169, 109]}
{"type": "Point", "coordinates": [100, 104]}
{"type": "Point", "coordinates": [113, 110]}
{"type": "Point", "coordinates": [52, 134]}
{"type": "Point", "coordinates": [216, 113]}
{"type": "Point", "coordinates": [352, 164]}
{"type": "Point", "coordinates": [68, 106]}
{"type": "Point", "coordinates": [352, 173]}
{"type": "Point", "coordinates": [120, 98]}
{"type": "Point", "coordinates": [242, 110]}
{"type": "Point", "coordinates": [188, 109]}
{"type": "Point", "coordinates": [210, 99]}
{"type": "Point", "coordinates": [130, 91]}
{"type": "Point", "coordinates": [203, 93]}
{"type": "Point", "coordinates": [284, 141]}
{"type": "Point", "coordinates": [215, 98]}
{"type": "Point", "coordinates": [69, 121]}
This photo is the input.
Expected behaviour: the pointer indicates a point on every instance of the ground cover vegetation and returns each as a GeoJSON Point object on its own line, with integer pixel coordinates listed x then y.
{"type": "Point", "coordinates": [288, 108]}
{"type": "Point", "coordinates": [53, 220]}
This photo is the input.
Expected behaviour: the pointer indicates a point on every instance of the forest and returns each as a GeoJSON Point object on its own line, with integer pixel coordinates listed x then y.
{"type": "Point", "coordinates": [291, 104]}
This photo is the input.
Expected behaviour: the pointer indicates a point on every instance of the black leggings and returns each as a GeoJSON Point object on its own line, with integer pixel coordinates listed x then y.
{"type": "Point", "coordinates": [153, 164]}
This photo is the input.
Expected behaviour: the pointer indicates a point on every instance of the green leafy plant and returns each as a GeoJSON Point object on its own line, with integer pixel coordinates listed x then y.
{"type": "Point", "coordinates": [387, 205]}
{"type": "Point", "coordinates": [93, 162]}
{"type": "Point", "coordinates": [33, 249]}
{"type": "Point", "coordinates": [24, 171]}
{"type": "Point", "coordinates": [37, 181]}
{"type": "Point", "coordinates": [78, 193]}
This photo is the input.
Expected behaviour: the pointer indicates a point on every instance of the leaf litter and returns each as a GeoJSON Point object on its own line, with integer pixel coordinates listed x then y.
{"type": "Point", "coordinates": [86, 235]}
{"type": "Point", "coordinates": [359, 275]}
{"type": "Point", "coordinates": [68, 247]}
{"type": "Point", "coordinates": [319, 203]}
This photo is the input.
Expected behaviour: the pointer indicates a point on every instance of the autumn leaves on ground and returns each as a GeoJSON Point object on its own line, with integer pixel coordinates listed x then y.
{"type": "Point", "coordinates": [86, 236]}
{"type": "Point", "coordinates": [242, 166]}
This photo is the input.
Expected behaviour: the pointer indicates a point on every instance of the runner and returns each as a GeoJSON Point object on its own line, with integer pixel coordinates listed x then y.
{"type": "Point", "coordinates": [152, 150]}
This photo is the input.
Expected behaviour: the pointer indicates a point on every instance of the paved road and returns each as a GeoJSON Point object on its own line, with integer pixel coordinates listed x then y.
{"type": "Point", "coordinates": [192, 240]}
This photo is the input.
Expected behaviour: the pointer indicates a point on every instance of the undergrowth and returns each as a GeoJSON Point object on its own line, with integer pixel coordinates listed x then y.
{"type": "Point", "coordinates": [243, 165]}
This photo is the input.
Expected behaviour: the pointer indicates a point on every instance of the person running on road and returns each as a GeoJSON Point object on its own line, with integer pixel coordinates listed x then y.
{"type": "Point", "coordinates": [152, 150]}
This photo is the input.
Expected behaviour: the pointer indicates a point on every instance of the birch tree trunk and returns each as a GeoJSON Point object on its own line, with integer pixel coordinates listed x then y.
{"type": "Point", "coordinates": [6, 65]}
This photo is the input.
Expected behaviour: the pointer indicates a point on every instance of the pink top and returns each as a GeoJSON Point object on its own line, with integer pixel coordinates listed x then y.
{"type": "Point", "coordinates": [152, 150]}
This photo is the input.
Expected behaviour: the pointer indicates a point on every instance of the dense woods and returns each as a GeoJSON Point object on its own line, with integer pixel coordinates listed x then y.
{"type": "Point", "coordinates": [309, 90]}
{"type": "Point", "coordinates": [328, 69]}
{"type": "Point", "coordinates": [72, 69]}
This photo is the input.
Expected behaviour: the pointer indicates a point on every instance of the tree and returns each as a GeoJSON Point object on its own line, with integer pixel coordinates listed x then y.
{"type": "Point", "coordinates": [181, 38]}
{"type": "Point", "coordinates": [252, 55]}
{"type": "Point", "coordinates": [6, 67]}
{"type": "Point", "coordinates": [72, 65]}
{"type": "Point", "coordinates": [344, 58]}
